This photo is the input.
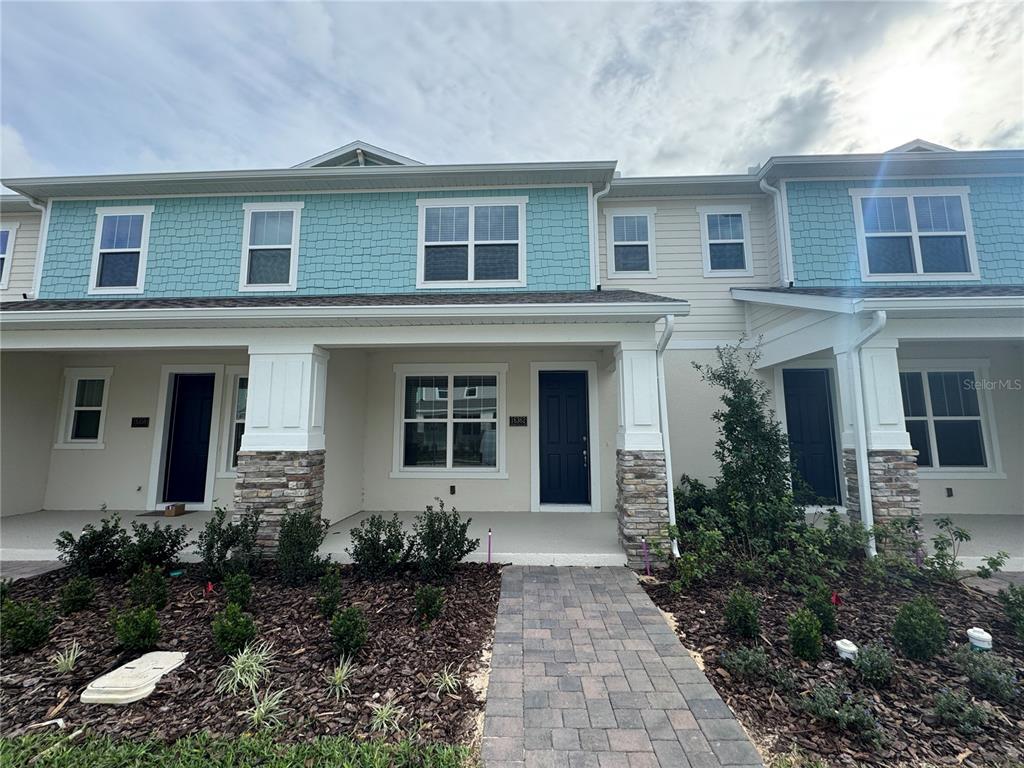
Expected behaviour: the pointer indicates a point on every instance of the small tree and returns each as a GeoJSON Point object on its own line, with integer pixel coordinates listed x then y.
{"type": "Point", "coordinates": [754, 490]}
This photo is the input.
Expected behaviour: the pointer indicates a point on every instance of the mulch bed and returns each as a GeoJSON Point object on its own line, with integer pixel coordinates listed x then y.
{"type": "Point", "coordinates": [912, 736]}
{"type": "Point", "coordinates": [397, 661]}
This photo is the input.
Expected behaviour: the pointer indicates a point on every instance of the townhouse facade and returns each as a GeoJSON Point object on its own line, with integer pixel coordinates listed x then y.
{"type": "Point", "coordinates": [366, 333]}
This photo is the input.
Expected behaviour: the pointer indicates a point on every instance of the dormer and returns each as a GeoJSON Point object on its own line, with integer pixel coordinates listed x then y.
{"type": "Point", "coordinates": [357, 153]}
{"type": "Point", "coordinates": [920, 145]}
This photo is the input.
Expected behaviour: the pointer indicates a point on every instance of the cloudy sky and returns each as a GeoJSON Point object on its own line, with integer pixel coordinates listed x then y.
{"type": "Point", "coordinates": [678, 88]}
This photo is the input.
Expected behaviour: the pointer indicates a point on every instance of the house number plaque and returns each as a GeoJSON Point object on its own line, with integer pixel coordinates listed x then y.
{"type": "Point", "coordinates": [517, 421]}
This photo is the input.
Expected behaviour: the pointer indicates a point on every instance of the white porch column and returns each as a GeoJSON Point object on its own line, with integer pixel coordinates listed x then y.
{"type": "Point", "coordinates": [639, 422]}
{"type": "Point", "coordinates": [892, 463]}
{"type": "Point", "coordinates": [642, 499]}
{"type": "Point", "coordinates": [281, 462]}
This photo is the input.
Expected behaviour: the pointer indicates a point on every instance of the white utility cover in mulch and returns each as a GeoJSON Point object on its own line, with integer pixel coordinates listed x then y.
{"type": "Point", "coordinates": [132, 681]}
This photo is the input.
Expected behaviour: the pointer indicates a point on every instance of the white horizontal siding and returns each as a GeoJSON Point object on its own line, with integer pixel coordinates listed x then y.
{"type": "Point", "coordinates": [714, 314]}
{"type": "Point", "coordinates": [23, 260]}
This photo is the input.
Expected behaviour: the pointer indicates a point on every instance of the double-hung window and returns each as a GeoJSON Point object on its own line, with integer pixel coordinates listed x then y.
{"type": "Point", "coordinates": [914, 234]}
{"type": "Point", "coordinates": [944, 417]}
{"type": "Point", "coordinates": [241, 394]}
{"type": "Point", "coordinates": [725, 241]}
{"type": "Point", "coordinates": [449, 420]}
{"type": "Point", "coordinates": [120, 249]}
{"type": "Point", "coordinates": [85, 405]}
{"type": "Point", "coordinates": [7, 234]}
{"type": "Point", "coordinates": [270, 247]}
{"type": "Point", "coordinates": [630, 242]}
{"type": "Point", "coordinates": [472, 241]}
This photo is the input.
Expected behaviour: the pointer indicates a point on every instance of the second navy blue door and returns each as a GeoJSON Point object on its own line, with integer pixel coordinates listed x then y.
{"type": "Point", "coordinates": [564, 437]}
{"type": "Point", "coordinates": [188, 439]}
{"type": "Point", "coordinates": [812, 437]}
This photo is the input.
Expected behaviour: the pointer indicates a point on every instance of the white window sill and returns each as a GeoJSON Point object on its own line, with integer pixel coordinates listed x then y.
{"type": "Point", "coordinates": [269, 288]}
{"type": "Point", "coordinates": [638, 275]}
{"type": "Point", "coordinates": [119, 289]}
{"type": "Point", "coordinates": [903, 277]}
{"type": "Point", "coordinates": [453, 474]}
{"type": "Point", "coordinates": [728, 273]}
{"type": "Point", "coordinates": [567, 508]}
{"type": "Point", "coordinates": [960, 474]}
{"type": "Point", "coordinates": [459, 284]}
{"type": "Point", "coordinates": [80, 446]}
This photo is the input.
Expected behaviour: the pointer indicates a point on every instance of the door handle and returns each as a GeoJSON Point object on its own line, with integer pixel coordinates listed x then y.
{"type": "Point", "coordinates": [585, 463]}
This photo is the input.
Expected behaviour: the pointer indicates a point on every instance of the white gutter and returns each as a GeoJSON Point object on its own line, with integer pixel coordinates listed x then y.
{"type": "Point", "coordinates": [666, 336]}
{"type": "Point", "coordinates": [781, 235]}
{"type": "Point", "coordinates": [44, 226]}
{"type": "Point", "coordinates": [867, 515]}
{"type": "Point", "coordinates": [595, 267]}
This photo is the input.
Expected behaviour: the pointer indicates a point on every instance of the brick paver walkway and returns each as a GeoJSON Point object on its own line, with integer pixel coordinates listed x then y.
{"type": "Point", "coordinates": [586, 673]}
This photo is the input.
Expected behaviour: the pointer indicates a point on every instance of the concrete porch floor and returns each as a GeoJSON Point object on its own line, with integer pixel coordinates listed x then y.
{"type": "Point", "coordinates": [522, 538]}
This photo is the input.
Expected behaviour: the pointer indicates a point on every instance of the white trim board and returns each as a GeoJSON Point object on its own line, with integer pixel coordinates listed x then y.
{"type": "Point", "coordinates": [8, 255]}
{"type": "Point", "coordinates": [593, 406]}
{"type": "Point", "coordinates": [159, 452]}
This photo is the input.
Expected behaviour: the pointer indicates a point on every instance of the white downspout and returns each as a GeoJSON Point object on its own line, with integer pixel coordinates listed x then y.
{"type": "Point", "coordinates": [867, 515]}
{"type": "Point", "coordinates": [44, 226]}
{"type": "Point", "coordinates": [780, 231]}
{"type": "Point", "coordinates": [595, 269]}
{"type": "Point", "coordinates": [666, 336]}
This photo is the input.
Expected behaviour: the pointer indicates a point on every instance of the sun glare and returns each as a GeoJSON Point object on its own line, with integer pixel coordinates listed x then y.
{"type": "Point", "coordinates": [912, 99]}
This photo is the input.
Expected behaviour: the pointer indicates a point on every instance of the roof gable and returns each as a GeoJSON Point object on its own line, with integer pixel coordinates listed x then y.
{"type": "Point", "coordinates": [357, 153]}
{"type": "Point", "coordinates": [920, 145]}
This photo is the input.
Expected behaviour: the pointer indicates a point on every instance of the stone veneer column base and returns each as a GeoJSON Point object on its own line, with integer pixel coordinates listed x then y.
{"type": "Point", "coordinates": [276, 482]}
{"type": "Point", "coordinates": [895, 491]}
{"type": "Point", "coordinates": [642, 501]}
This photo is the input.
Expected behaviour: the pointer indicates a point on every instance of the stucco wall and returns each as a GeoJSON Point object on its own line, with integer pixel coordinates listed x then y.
{"type": "Point", "coordinates": [986, 495]}
{"type": "Point", "coordinates": [29, 386]}
{"type": "Point", "coordinates": [118, 475]}
{"type": "Point", "coordinates": [348, 243]}
{"type": "Point", "coordinates": [384, 493]}
{"type": "Point", "coordinates": [824, 236]}
{"type": "Point", "coordinates": [345, 417]}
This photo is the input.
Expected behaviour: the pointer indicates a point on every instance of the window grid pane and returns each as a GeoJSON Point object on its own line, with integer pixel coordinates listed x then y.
{"type": "Point", "coordinates": [426, 397]}
{"type": "Point", "coordinates": [447, 225]}
{"type": "Point", "coordinates": [445, 262]}
{"type": "Point", "coordinates": [5, 236]}
{"type": "Point", "coordinates": [496, 262]}
{"type": "Point", "coordinates": [959, 443]}
{"type": "Point", "coordinates": [118, 269]}
{"type": "Point", "coordinates": [121, 232]}
{"type": "Point", "coordinates": [726, 256]}
{"type": "Point", "coordinates": [496, 222]}
{"type": "Point", "coordinates": [944, 254]}
{"type": "Point", "coordinates": [89, 393]}
{"type": "Point", "coordinates": [725, 226]}
{"type": "Point", "coordinates": [630, 229]}
{"type": "Point", "coordinates": [632, 258]}
{"type": "Point", "coordinates": [886, 214]}
{"type": "Point", "coordinates": [939, 213]}
{"type": "Point", "coordinates": [85, 424]}
{"type": "Point", "coordinates": [890, 255]}
{"type": "Point", "coordinates": [268, 228]}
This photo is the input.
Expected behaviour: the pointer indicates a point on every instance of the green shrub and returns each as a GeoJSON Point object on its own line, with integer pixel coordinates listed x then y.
{"type": "Point", "coordinates": [97, 551]}
{"type": "Point", "coordinates": [157, 546]}
{"type": "Point", "coordinates": [429, 603]}
{"type": "Point", "coordinates": [701, 550]}
{"type": "Point", "coordinates": [24, 626]}
{"type": "Point", "coordinates": [228, 547]}
{"type": "Point", "coordinates": [76, 594]}
{"type": "Point", "coordinates": [148, 587]}
{"type": "Point", "coordinates": [837, 706]}
{"type": "Point", "coordinates": [5, 589]}
{"type": "Point", "coordinates": [441, 541]}
{"type": "Point", "coordinates": [991, 675]}
{"type": "Point", "coordinates": [1012, 599]}
{"type": "Point", "coordinates": [349, 630]}
{"type": "Point", "coordinates": [750, 570]}
{"type": "Point", "coordinates": [741, 614]}
{"type": "Point", "coordinates": [805, 635]}
{"type": "Point", "coordinates": [745, 664]}
{"type": "Point", "coordinates": [238, 588]}
{"type": "Point", "coordinates": [137, 629]}
{"type": "Point", "coordinates": [956, 708]}
{"type": "Point", "coordinates": [330, 592]}
{"type": "Point", "coordinates": [232, 629]}
{"type": "Point", "coordinates": [919, 629]}
{"type": "Point", "coordinates": [874, 664]}
{"type": "Point", "coordinates": [380, 547]}
{"type": "Point", "coordinates": [819, 603]}
{"type": "Point", "coordinates": [298, 542]}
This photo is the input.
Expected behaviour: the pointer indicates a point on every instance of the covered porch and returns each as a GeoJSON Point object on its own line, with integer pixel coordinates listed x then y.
{"type": "Point", "coordinates": [546, 429]}
{"type": "Point", "coordinates": [909, 398]}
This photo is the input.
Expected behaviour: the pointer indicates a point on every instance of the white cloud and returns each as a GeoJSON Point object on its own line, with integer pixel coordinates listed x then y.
{"type": "Point", "coordinates": [679, 88]}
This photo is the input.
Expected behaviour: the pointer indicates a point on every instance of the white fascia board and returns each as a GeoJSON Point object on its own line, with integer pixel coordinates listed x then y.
{"type": "Point", "coordinates": [940, 303]}
{"type": "Point", "coordinates": [801, 301]}
{"type": "Point", "coordinates": [612, 310]}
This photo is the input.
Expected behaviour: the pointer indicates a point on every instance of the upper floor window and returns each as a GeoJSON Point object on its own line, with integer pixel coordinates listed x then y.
{"type": "Point", "coordinates": [914, 234]}
{"type": "Point", "coordinates": [270, 250]}
{"type": "Point", "coordinates": [7, 234]}
{"type": "Point", "coordinates": [119, 250]}
{"type": "Point", "coordinates": [630, 242]}
{"type": "Point", "coordinates": [944, 416]}
{"type": "Point", "coordinates": [471, 241]}
{"type": "Point", "coordinates": [85, 405]}
{"type": "Point", "coordinates": [725, 241]}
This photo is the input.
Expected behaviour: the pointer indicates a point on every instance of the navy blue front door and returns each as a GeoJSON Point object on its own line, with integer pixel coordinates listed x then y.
{"type": "Point", "coordinates": [812, 437]}
{"type": "Point", "coordinates": [188, 437]}
{"type": "Point", "coordinates": [564, 438]}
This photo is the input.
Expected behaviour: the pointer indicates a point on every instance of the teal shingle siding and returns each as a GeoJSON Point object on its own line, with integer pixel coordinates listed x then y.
{"type": "Point", "coordinates": [824, 237]}
{"type": "Point", "coordinates": [348, 243]}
